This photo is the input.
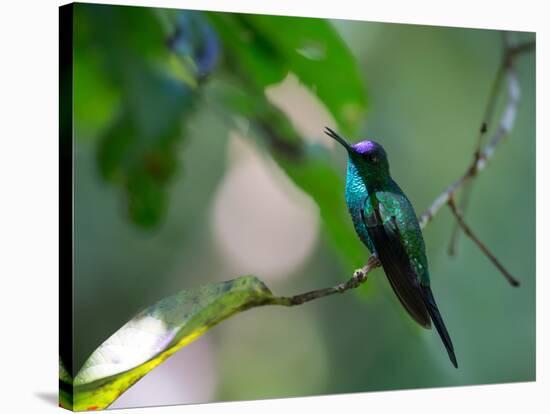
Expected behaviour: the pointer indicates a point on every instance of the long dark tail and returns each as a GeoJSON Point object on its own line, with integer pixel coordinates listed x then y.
{"type": "Point", "coordinates": [438, 322]}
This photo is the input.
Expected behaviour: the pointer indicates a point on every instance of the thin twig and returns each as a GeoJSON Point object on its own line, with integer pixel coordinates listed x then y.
{"type": "Point", "coordinates": [468, 231]}
{"type": "Point", "coordinates": [464, 202]}
{"type": "Point", "coordinates": [508, 59]}
{"type": "Point", "coordinates": [521, 48]}
{"type": "Point", "coordinates": [359, 277]}
{"type": "Point", "coordinates": [505, 126]}
{"type": "Point", "coordinates": [485, 124]}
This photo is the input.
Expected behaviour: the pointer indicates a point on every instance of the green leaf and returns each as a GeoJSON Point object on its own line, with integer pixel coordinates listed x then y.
{"type": "Point", "coordinates": [139, 150]}
{"type": "Point", "coordinates": [133, 89]}
{"type": "Point", "coordinates": [157, 333]}
{"type": "Point", "coordinates": [246, 52]}
{"type": "Point", "coordinates": [65, 387]}
{"type": "Point", "coordinates": [264, 49]}
{"type": "Point", "coordinates": [319, 57]}
{"type": "Point", "coordinates": [96, 97]}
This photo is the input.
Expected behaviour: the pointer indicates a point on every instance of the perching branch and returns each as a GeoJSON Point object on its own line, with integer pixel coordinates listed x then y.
{"type": "Point", "coordinates": [359, 276]}
{"type": "Point", "coordinates": [482, 156]}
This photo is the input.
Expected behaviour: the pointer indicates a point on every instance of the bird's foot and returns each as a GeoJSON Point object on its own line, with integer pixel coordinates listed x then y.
{"type": "Point", "coordinates": [360, 274]}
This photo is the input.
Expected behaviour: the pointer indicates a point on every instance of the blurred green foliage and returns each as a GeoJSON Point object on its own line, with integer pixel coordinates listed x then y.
{"type": "Point", "coordinates": [156, 92]}
{"type": "Point", "coordinates": [137, 149]}
{"type": "Point", "coordinates": [257, 50]}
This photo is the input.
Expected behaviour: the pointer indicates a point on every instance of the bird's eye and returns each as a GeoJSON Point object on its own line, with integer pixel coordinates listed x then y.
{"type": "Point", "coordinates": [374, 159]}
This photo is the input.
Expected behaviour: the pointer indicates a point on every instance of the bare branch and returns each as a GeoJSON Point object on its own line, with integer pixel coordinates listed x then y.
{"type": "Point", "coordinates": [468, 231]}
{"type": "Point", "coordinates": [510, 54]}
{"type": "Point", "coordinates": [464, 202]}
{"type": "Point", "coordinates": [485, 125]}
{"type": "Point", "coordinates": [505, 126]}
{"type": "Point", "coordinates": [359, 276]}
{"type": "Point", "coordinates": [522, 48]}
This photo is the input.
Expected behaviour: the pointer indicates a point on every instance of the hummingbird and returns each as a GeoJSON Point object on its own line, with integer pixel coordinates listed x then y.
{"type": "Point", "coordinates": [386, 223]}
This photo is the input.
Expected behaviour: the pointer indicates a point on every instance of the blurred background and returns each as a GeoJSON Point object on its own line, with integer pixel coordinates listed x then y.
{"type": "Point", "coordinates": [199, 157]}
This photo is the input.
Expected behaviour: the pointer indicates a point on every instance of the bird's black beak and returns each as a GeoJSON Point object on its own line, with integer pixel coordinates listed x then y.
{"type": "Point", "coordinates": [338, 138]}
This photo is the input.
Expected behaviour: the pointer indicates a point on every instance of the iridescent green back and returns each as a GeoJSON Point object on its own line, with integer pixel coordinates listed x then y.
{"type": "Point", "coordinates": [392, 202]}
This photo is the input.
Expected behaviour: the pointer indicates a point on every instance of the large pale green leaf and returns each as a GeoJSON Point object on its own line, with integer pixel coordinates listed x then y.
{"type": "Point", "coordinates": [158, 332]}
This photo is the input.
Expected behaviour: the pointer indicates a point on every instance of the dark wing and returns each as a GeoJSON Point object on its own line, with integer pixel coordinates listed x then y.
{"type": "Point", "coordinates": [397, 266]}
